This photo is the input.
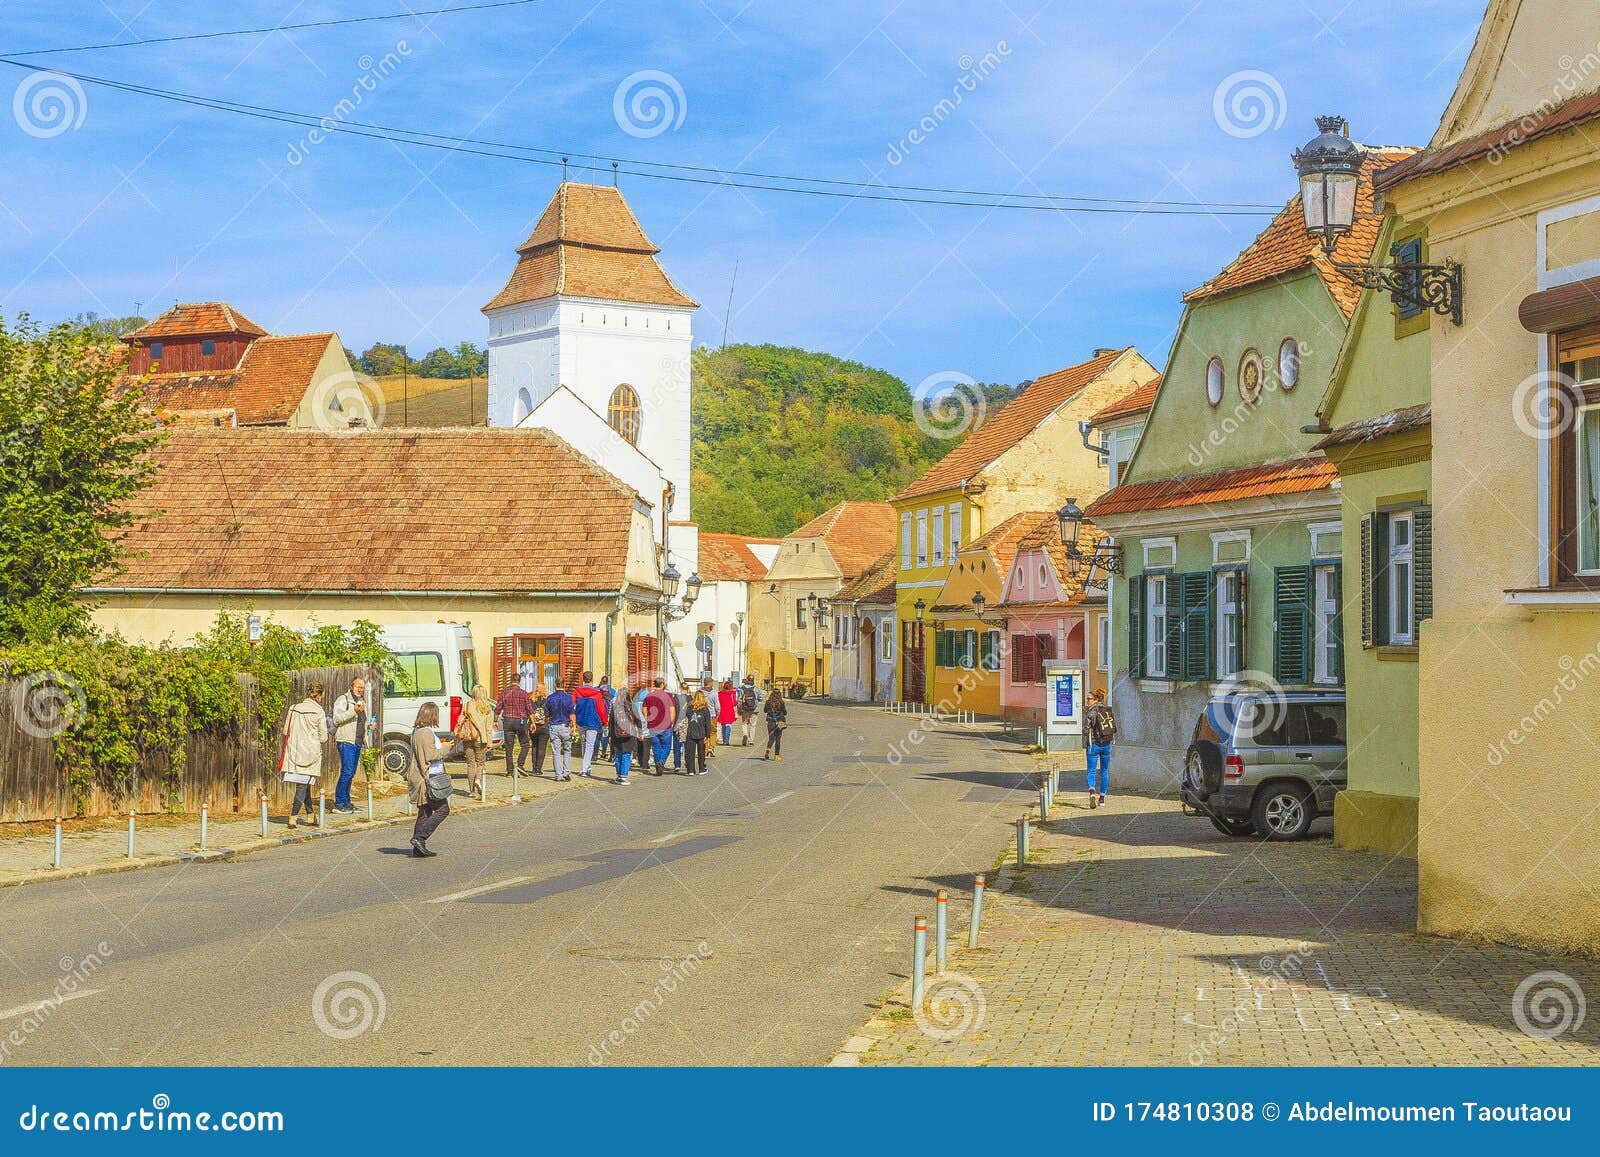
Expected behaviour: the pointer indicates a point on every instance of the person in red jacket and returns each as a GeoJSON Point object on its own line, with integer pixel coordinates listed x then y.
{"type": "Point", "coordinates": [727, 709]}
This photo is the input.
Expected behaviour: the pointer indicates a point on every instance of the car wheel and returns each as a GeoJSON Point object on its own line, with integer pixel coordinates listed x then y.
{"type": "Point", "coordinates": [1283, 811]}
{"type": "Point", "coordinates": [396, 756]}
{"type": "Point", "coordinates": [1229, 826]}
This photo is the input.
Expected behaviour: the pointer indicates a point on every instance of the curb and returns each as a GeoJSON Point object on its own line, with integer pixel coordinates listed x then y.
{"type": "Point", "coordinates": [248, 847]}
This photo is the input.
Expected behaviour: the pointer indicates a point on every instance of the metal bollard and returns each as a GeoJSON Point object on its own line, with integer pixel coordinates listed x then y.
{"type": "Point", "coordinates": [1022, 841]}
{"type": "Point", "coordinates": [1055, 782]}
{"type": "Point", "coordinates": [977, 911]}
{"type": "Point", "coordinates": [56, 861]}
{"type": "Point", "coordinates": [264, 832]}
{"type": "Point", "coordinates": [408, 803]}
{"type": "Point", "coordinates": [205, 815]}
{"type": "Point", "coordinates": [919, 953]}
{"type": "Point", "coordinates": [130, 835]}
{"type": "Point", "coordinates": [370, 814]}
{"type": "Point", "coordinates": [516, 793]}
{"type": "Point", "coordinates": [1038, 737]}
{"type": "Point", "coordinates": [1044, 803]}
{"type": "Point", "coordinates": [322, 809]}
{"type": "Point", "coordinates": [941, 926]}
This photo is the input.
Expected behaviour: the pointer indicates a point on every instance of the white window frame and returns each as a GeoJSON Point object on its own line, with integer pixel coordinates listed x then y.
{"type": "Point", "coordinates": [1122, 442]}
{"type": "Point", "coordinates": [1226, 582]}
{"type": "Point", "coordinates": [955, 528]}
{"type": "Point", "coordinates": [1151, 545]}
{"type": "Point", "coordinates": [905, 541]}
{"type": "Point", "coordinates": [1324, 611]}
{"type": "Point", "coordinates": [1401, 596]}
{"type": "Point", "coordinates": [1155, 641]}
{"type": "Point", "coordinates": [1321, 530]}
{"type": "Point", "coordinates": [922, 538]}
{"type": "Point", "coordinates": [886, 640]}
{"type": "Point", "coordinates": [1218, 537]}
{"type": "Point", "coordinates": [1577, 467]}
{"type": "Point", "coordinates": [999, 643]}
{"type": "Point", "coordinates": [1103, 642]}
{"type": "Point", "coordinates": [938, 537]}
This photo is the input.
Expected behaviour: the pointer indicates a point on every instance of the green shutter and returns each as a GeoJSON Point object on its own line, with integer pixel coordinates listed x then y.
{"type": "Point", "coordinates": [1175, 626]}
{"type": "Point", "coordinates": [1422, 562]}
{"type": "Point", "coordinates": [1369, 582]}
{"type": "Point", "coordinates": [1336, 583]}
{"type": "Point", "coordinates": [1135, 587]}
{"type": "Point", "coordinates": [938, 649]}
{"type": "Point", "coordinates": [1194, 598]}
{"type": "Point", "coordinates": [1292, 607]}
{"type": "Point", "coordinates": [1380, 580]}
{"type": "Point", "coordinates": [1240, 621]}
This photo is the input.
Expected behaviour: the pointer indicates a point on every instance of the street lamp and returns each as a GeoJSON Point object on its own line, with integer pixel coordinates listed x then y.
{"type": "Point", "coordinates": [1329, 165]}
{"type": "Point", "coordinates": [691, 589]}
{"type": "Point", "coordinates": [919, 606]}
{"type": "Point", "coordinates": [1104, 556]}
{"type": "Point", "coordinates": [669, 582]}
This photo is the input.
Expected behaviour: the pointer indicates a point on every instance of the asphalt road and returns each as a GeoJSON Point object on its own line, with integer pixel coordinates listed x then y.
{"type": "Point", "coordinates": [750, 916]}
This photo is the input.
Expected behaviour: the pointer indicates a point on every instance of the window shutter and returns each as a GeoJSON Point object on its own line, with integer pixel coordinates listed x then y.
{"type": "Point", "coordinates": [1408, 301]}
{"type": "Point", "coordinates": [1194, 594]}
{"type": "Point", "coordinates": [1369, 583]}
{"type": "Point", "coordinates": [1136, 627]}
{"type": "Point", "coordinates": [1292, 604]}
{"type": "Point", "coordinates": [969, 647]}
{"type": "Point", "coordinates": [1380, 579]}
{"type": "Point", "coordinates": [571, 660]}
{"type": "Point", "coordinates": [1422, 560]}
{"type": "Point", "coordinates": [1175, 626]}
{"type": "Point", "coordinates": [1019, 659]}
{"type": "Point", "coordinates": [503, 667]}
{"type": "Point", "coordinates": [1240, 621]}
{"type": "Point", "coordinates": [1336, 623]}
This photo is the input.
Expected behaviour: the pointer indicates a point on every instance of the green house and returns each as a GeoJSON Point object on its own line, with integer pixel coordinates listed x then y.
{"type": "Point", "coordinates": [1377, 405]}
{"type": "Point", "coordinates": [1228, 519]}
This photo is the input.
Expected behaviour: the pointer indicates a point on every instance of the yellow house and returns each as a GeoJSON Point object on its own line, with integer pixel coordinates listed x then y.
{"type": "Point", "coordinates": [1028, 457]}
{"type": "Point", "coordinates": [1508, 781]}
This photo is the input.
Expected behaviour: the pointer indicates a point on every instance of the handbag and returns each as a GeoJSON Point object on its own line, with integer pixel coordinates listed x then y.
{"type": "Point", "coordinates": [439, 786]}
{"type": "Point", "coordinates": [468, 730]}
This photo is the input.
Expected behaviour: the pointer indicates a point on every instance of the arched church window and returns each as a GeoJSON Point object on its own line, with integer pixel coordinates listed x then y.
{"type": "Point", "coordinates": [523, 407]}
{"type": "Point", "coordinates": [624, 414]}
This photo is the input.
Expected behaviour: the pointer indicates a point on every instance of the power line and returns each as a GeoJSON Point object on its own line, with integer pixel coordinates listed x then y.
{"type": "Point", "coordinates": [847, 190]}
{"type": "Point", "coordinates": [278, 28]}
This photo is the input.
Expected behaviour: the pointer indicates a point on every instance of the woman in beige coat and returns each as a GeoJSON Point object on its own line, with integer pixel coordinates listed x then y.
{"type": "Point", "coordinates": [475, 729]}
{"type": "Point", "coordinates": [305, 731]}
{"type": "Point", "coordinates": [427, 758]}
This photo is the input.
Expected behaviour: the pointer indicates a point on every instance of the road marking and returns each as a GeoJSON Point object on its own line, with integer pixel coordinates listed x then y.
{"type": "Point", "coordinates": [52, 1002]}
{"type": "Point", "coordinates": [784, 795]}
{"type": "Point", "coordinates": [674, 835]}
{"type": "Point", "coordinates": [478, 891]}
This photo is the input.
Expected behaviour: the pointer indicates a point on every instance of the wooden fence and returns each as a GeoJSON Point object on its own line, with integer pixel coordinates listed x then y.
{"type": "Point", "coordinates": [224, 766]}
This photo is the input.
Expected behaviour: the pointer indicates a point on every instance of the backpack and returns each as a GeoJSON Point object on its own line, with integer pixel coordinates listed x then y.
{"type": "Point", "coordinates": [1101, 725]}
{"type": "Point", "coordinates": [747, 700]}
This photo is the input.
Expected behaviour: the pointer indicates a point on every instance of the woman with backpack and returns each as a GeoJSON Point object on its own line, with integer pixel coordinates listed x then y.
{"type": "Point", "coordinates": [777, 719]}
{"type": "Point", "coordinates": [749, 704]}
{"type": "Point", "coordinates": [475, 729]}
{"type": "Point", "coordinates": [431, 788]}
{"type": "Point", "coordinates": [1099, 732]}
{"type": "Point", "coordinates": [698, 728]}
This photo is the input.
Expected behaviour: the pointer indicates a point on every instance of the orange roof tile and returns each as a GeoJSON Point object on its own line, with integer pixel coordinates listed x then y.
{"type": "Point", "coordinates": [876, 584]}
{"type": "Point", "coordinates": [856, 533]}
{"type": "Point", "coordinates": [1016, 420]}
{"type": "Point", "coordinates": [1283, 247]}
{"type": "Point", "coordinates": [196, 319]}
{"type": "Point", "coordinates": [1137, 402]}
{"type": "Point", "coordinates": [728, 557]}
{"type": "Point", "coordinates": [1515, 133]}
{"type": "Point", "coordinates": [1001, 542]}
{"type": "Point", "coordinates": [1294, 476]}
{"type": "Point", "coordinates": [270, 509]}
{"type": "Point", "coordinates": [1047, 537]}
{"type": "Point", "coordinates": [269, 382]}
{"type": "Point", "coordinates": [588, 243]}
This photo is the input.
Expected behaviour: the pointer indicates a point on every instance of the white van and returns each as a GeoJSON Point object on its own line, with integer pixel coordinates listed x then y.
{"type": "Point", "coordinates": [435, 663]}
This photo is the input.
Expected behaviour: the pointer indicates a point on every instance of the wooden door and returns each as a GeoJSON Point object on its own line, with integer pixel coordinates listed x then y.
{"type": "Point", "coordinates": [867, 653]}
{"type": "Point", "coordinates": [913, 660]}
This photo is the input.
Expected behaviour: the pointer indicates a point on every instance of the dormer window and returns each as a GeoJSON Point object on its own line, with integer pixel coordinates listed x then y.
{"type": "Point", "coordinates": [208, 347]}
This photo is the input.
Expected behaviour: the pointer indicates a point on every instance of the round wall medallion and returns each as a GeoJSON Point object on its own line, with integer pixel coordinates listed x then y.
{"type": "Point", "coordinates": [1250, 376]}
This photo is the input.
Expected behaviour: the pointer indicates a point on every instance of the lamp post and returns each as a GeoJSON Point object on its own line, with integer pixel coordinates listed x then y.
{"type": "Point", "coordinates": [1329, 166]}
{"type": "Point", "coordinates": [1104, 556]}
{"type": "Point", "coordinates": [919, 607]}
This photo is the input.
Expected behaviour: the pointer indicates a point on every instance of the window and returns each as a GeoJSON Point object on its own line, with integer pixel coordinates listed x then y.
{"type": "Point", "coordinates": [1160, 553]}
{"type": "Point", "coordinates": [1229, 643]}
{"type": "Point", "coordinates": [1122, 441]}
{"type": "Point", "coordinates": [1155, 630]}
{"type": "Point", "coordinates": [1289, 363]}
{"type": "Point", "coordinates": [1396, 575]}
{"type": "Point", "coordinates": [414, 674]}
{"type": "Point", "coordinates": [1308, 641]}
{"type": "Point", "coordinates": [1103, 659]}
{"type": "Point", "coordinates": [624, 413]}
{"type": "Point", "coordinates": [991, 650]}
{"type": "Point", "coordinates": [1408, 301]}
{"type": "Point", "coordinates": [157, 350]}
{"type": "Point", "coordinates": [1580, 374]}
{"type": "Point", "coordinates": [800, 614]}
{"type": "Point", "coordinates": [1327, 645]}
{"type": "Point", "coordinates": [522, 408]}
{"type": "Point", "coordinates": [922, 538]}
{"type": "Point", "coordinates": [1214, 375]}
{"type": "Point", "coordinates": [1028, 656]}
{"type": "Point", "coordinates": [208, 347]}
{"type": "Point", "coordinates": [938, 536]}
{"type": "Point", "coordinates": [886, 640]}
{"type": "Point", "coordinates": [1327, 539]}
{"type": "Point", "coordinates": [1230, 546]}
{"type": "Point", "coordinates": [1400, 568]}
{"type": "Point", "coordinates": [955, 527]}
{"type": "Point", "coordinates": [905, 542]}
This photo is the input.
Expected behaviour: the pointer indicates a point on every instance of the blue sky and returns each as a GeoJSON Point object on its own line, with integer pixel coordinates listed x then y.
{"type": "Point", "coordinates": [147, 201]}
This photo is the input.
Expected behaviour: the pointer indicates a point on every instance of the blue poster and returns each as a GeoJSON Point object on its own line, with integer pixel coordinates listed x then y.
{"type": "Point", "coordinates": [1066, 686]}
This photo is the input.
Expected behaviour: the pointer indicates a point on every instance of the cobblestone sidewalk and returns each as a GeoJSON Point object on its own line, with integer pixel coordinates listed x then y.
{"type": "Point", "coordinates": [1137, 935]}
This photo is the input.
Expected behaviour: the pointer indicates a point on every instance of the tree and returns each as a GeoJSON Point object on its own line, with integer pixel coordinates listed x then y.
{"type": "Point", "coordinates": [73, 450]}
{"type": "Point", "coordinates": [382, 359]}
{"type": "Point", "coordinates": [97, 326]}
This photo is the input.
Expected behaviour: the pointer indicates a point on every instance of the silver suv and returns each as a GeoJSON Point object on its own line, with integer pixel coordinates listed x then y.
{"type": "Point", "coordinates": [1266, 764]}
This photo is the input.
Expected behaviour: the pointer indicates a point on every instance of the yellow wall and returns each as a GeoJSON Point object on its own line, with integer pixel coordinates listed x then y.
{"type": "Point", "coordinates": [780, 649]}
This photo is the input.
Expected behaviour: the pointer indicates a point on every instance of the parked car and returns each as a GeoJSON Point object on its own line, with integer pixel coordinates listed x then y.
{"type": "Point", "coordinates": [1266, 764]}
{"type": "Point", "coordinates": [434, 663]}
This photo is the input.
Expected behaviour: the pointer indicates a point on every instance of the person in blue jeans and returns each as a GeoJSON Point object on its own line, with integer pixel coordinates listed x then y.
{"type": "Point", "coordinates": [349, 732]}
{"type": "Point", "coordinates": [609, 694]}
{"type": "Point", "coordinates": [1099, 733]}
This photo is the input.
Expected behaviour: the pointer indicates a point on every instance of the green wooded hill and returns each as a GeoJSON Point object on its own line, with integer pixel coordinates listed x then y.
{"type": "Point", "coordinates": [781, 434]}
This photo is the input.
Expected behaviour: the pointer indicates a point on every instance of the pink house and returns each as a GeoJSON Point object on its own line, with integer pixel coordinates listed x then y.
{"type": "Point", "coordinates": [1047, 616]}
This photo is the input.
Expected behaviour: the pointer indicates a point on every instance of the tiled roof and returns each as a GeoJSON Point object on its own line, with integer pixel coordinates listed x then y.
{"type": "Point", "coordinates": [1047, 537]}
{"type": "Point", "coordinates": [1283, 247]}
{"type": "Point", "coordinates": [1521, 130]}
{"type": "Point", "coordinates": [1401, 421]}
{"type": "Point", "coordinates": [196, 319]}
{"type": "Point", "coordinates": [1129, 405]}
{"type": "Point", "coordinates": [1015, 421]}
{"type": "Point", "coordinates": [264, 389]}
{"type": "Point", "coordinates": [874, 585]}
{"type": "Point", "coordinates": [1294, 476]}
{"type": "Point", "coordinates": [728, 558]}
{"type": "Point", "coordinates": [1001, 542]}
{"type": "Point", "coordinates": [857, 533]}
{"type": "Point", "coordinates": [376, 511]}
{"type": "Point", "coordinates": [588, 243]}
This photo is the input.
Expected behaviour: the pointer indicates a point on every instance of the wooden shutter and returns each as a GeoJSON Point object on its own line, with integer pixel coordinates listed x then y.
{"type": "Point", "coordinates": [571, 660]}
{"type": "Point", "coordinates": [969, 647]}
{"type": "Point", "coordinates": [503, 664]}
{"type": "Point", "coordinates": [1175, 626]}
{"type": "Point", "coordinates": [1292, 606]}
{"type": "Point", "coordinates": [1336, 624]}
{"type": "Point", "coordinates": [1369, 581]}
{"type": "Point", "coordinates": [1194, 596]}
{"type": "Point", "coordinates": [1136, 627]}
{"type": "Point", "coordinates": [1422, 563]}
{"type": "Point", "coordinates": [1241, 629]}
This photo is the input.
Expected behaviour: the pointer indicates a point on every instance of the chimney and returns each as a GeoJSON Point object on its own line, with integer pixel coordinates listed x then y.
{"type": "Point", "coordinates": [1100, 353]}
